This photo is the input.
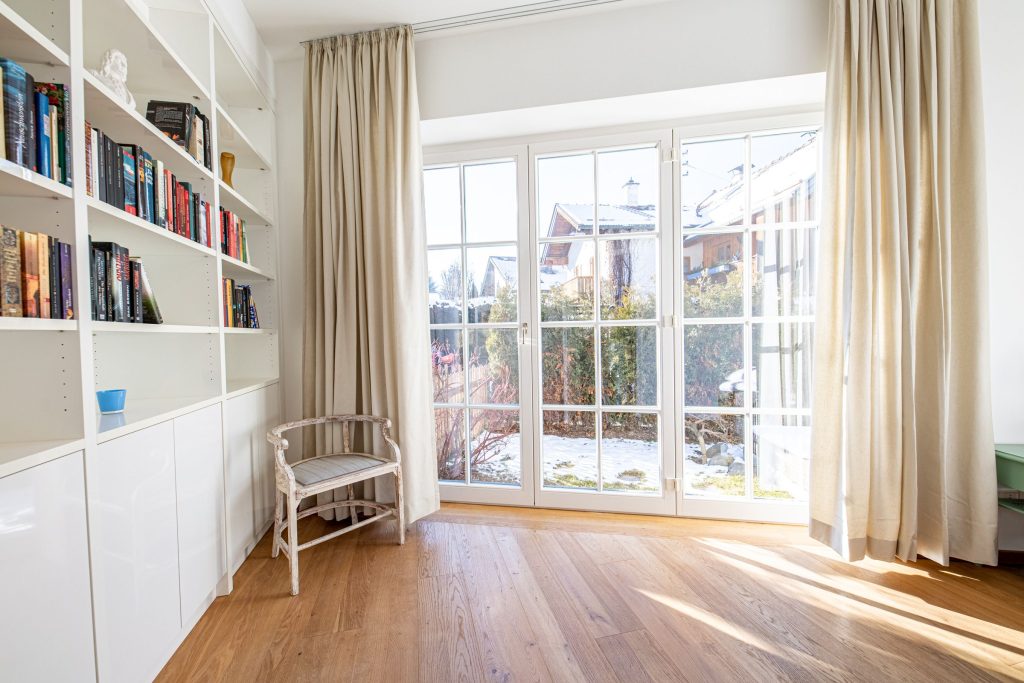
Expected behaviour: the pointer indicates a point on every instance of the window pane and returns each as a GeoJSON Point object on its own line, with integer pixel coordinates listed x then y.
{"type": "Point", "coordinates": [446, 360]}
{"type": "Point", "coordinates": [567, 357]}
{"type": "Point", "coordinates": [630, 459]}
{"type": "Point", "coordinates": [629, 366]}
{"type": "Point", "coordinates": [714, 455]}
{"type": "Point", "coordinates": [444, 282]}
{"type": "Point", "coordinates": [712, 183]}
{"type": "Point", "coordinates": [441, 206]}
{"type": "Point", "coordinates": [627, 190]}
{"type": "Point", "coordinates": [492, 283]}
{"type": "Point", "coordinates": [784, 272]}
{"type": "Point", "coordinates": [782, 354]}
{"type": "Point", "coordinates": [451, 443]}
{"type": "Point", "coordinates": [494, 450]}
{"type": "Point", "coordinates": [783, 168]}
{"type": "Point", "coordinates": [565, 195]}
{"type": "Point", "coordinates": [567, 280]}
{"type": "Point", "coordinates": [493, 366]}
{"type": "Point", "coordinates": [782, 456]}
{"type": "Point", "coordinates": [629, 271]}
{"type": "Point", "coordinates": [713, 275]}
{"type": "Point", "coordinates": [569, 450]}
{"type": "Point", "coordinates": [713, 365]}
{"type": "Point", "coordinates": [491, 202]}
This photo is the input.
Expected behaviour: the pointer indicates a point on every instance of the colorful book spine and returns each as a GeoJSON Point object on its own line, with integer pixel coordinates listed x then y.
{"type": "Point", "coordinates": [67, 290]}
{"type": "Point", "coordinates": [16, 112]}
{"type": "Point", "coordinates": [29, 274]}
{"type": "Point", "coordinates": [42, 112]}
{"type": "Point", "coordinates": [10, 274]}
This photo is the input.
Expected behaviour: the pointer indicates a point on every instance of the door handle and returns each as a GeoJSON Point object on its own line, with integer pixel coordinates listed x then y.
{"type": "Point", "coordinates": [524, 332]}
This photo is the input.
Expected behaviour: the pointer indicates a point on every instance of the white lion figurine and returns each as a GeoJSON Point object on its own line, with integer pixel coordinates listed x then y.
{"type": "Point", "coordinates": [114, 74]}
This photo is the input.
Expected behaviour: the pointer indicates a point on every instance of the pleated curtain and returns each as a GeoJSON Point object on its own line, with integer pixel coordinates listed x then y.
{"type": "Point", "coordinates": [365, 336]}
{"type": "Point", "coordinates": [903, 459]}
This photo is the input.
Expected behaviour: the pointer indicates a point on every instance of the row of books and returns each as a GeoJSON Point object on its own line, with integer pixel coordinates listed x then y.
{"type": "Point", "coordinates": [119, 289]}
{"type": "Point", "coordinates": [128, 177]}
{"type": "Point", "coordinates": [35, 276]}
{"type": "Point", "coordinates": [232, 236]}
{"type": "Point", "coordinates": [185, 125]}
{"type": "Point", "coordinates": [35, 123]}
{"type": "Point", "coordinates": [239, 306]}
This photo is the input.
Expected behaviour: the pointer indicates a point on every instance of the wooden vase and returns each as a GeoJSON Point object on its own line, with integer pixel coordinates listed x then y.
{"type": "Point", "coordinates": [227, 166]}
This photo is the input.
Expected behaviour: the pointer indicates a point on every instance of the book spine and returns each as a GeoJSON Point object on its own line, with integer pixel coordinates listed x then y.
{"type": "Point", "coordinates": [93, 305]}
{"type": "Point", "coordinates": [100, 265]}
{"type": "Point", "coordinates": [67, 291]}
{"type": "Point", "coordinates": [140, 183]}
{"type": "Point", "coordinates": [160, 198]}
{"type": "Point", "coordinates": [10, 273]}
{"type": "Point", "coordinates": [16, 106]}
{"type": "Point", "coordinates": [55, 171]}
{"type": "Point", "coordinates": [56, 312]}
{"type": "Point", "coordinates": [42, 127]}
{"type": "Point", "coordinates": [128, 165]}
{"type": "Point", "coordinates": [29, 274]}
{"type": "Point", "coordinates": [89, 189]}
{"type": "Point", "coordinates": [43, 256]}
{"type": "Point", "coordinates": [136, 281]}
{"type": "Point", "coordinates": [149, 188]}
{"type": "Point", "coordinates": [31, 159]}
{"type": "Point", "coordinates": [126, 283]}
{"type": "Point", "coordinates": [111, 285]}
{"type": "Point", "coordinates": [100, 151]}
{"type": "Point", "coordinates": [66, 129]}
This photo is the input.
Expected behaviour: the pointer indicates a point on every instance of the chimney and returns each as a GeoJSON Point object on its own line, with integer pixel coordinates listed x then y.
{"type": "Point", "coordinates": [632, 189]}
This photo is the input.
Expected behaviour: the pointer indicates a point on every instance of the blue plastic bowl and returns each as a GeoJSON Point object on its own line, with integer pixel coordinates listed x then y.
{"type": "Point", "coordinates": [111, 400]}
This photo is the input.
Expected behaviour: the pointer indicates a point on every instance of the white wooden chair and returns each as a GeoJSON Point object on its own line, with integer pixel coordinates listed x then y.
{"type": "Point", "coordinates": [323, 473]}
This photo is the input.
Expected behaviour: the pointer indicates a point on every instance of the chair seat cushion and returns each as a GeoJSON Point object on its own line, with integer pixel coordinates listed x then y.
{"type": "Point", "coordinates": [326, 467]}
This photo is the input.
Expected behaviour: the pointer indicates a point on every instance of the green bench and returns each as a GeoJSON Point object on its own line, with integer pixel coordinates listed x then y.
{"type": "Point", "coordinates": [1010, 472]}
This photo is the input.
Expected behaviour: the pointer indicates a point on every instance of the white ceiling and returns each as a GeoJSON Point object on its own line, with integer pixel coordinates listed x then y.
{"type": "Point", "coordinates": [284, 24]}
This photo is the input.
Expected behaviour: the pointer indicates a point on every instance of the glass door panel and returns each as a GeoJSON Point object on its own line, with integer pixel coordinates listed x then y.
{"type": "Point", "coordinates": [603, 443]}
{"type": "Point", "coordinates": [476, 351]}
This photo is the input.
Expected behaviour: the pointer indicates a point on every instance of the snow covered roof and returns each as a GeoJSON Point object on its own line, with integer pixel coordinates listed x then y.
{"type": "Point", "coordinates": [640, 217]}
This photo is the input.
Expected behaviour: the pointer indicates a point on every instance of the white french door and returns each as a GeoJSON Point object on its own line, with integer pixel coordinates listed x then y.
{"type": "Point", "coordinates": [623, 323]}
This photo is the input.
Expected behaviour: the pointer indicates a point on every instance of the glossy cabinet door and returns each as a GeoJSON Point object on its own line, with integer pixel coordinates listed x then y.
{"type": "Point", "coordinates": [46, 615]}
{"type": "Point", "coordinates": [271, 415]}
{"type": "Point", "coordinates": [242, 429]}
{"type": "Point", "coordinates": [133, 522]}
{"type": "Point", "coordinates": [199, 473]}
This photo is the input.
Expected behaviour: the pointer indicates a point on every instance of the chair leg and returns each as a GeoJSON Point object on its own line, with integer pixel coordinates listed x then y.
{"type": "Point", "coordinates": [293, 540]}
{"type": "Point", "coordinates": [278, 522]}
{"type": "Point", "coordinates": [400, 506]}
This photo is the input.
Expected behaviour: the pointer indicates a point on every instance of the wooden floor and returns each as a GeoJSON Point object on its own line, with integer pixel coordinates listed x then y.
{"type": "Point", "coordinates": [483, 593]}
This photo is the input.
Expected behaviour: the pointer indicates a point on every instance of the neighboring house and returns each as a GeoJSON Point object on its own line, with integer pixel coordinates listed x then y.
{"type": "Point", "coordinates": [501, 272]}
{"type": "Point", "coordinates": [570, 265]}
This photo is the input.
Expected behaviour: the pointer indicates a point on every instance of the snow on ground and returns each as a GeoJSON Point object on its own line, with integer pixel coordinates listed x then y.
{"type": "Point", "coordinates": [577, 456]}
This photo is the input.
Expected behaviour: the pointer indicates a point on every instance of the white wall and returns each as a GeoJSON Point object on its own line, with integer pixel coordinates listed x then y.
{"type": "Point", "coordinates": [1003, 92]}
{"type": "Point", "coordinates": [640, 49]}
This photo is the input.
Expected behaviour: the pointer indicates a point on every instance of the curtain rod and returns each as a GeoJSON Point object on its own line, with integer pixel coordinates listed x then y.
{"type": "Point", "coordinates": [475, 18]}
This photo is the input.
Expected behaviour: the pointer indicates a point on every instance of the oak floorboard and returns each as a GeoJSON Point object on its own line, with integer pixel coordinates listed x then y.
{"type": "Point", "coordinates": [488, 593]}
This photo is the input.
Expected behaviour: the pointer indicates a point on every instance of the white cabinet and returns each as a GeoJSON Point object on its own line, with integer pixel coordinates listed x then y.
{"type": "Point", "coordinates": [250, 468]}
{"type": "Point", "coordinates": [133, 520]}
{"type": "Point", "coordinates": [241, 425]}
{"type": "Point", "coordinates": [46, 627]}
{"type": "Point", "coordinates": [199, 474]}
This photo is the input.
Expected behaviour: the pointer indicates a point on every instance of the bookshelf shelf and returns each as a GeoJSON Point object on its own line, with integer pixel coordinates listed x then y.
{"type": "Point", "coordinates": [235, 85]}
{"type": "Point", "coordinates": [153, 65]}
{"type": "Point", "coordinates": [125, 125]}
{"type": "Point", "coordinates": [16, 181]}
{"type": "Point", "coordinates": [236, 269]}
{"type": "Point", "coordinates": [247, 330]}
{"type": "Point", "coordinates": [37, 325]}
{"type": "Point", "coordinates": [19, 455]}
{"type": "Point", "coordinates": [22, 42]}
{"type": "Point", "coordinates": [140, 413]}
{"type": "Point", "coordinates": [108, 222]}
{"type": "Point", "coordinates": [100, 327]}
{"type": "Point", "coordinates": [239, 205]}
{"type": "Point", "coordinates": [237, 387]}
{"type": "Point", "coordinates": [233, 139]}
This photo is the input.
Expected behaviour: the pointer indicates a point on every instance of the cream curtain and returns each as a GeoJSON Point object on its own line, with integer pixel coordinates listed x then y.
{"type": "Point", "coordinates": [903, 459]}
{"type": "Point", "coordinates": [365, 337]}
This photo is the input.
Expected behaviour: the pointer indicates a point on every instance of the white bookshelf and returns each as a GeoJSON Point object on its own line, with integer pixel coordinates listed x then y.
{"type": "Point", "coordinates": [180, 55]}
